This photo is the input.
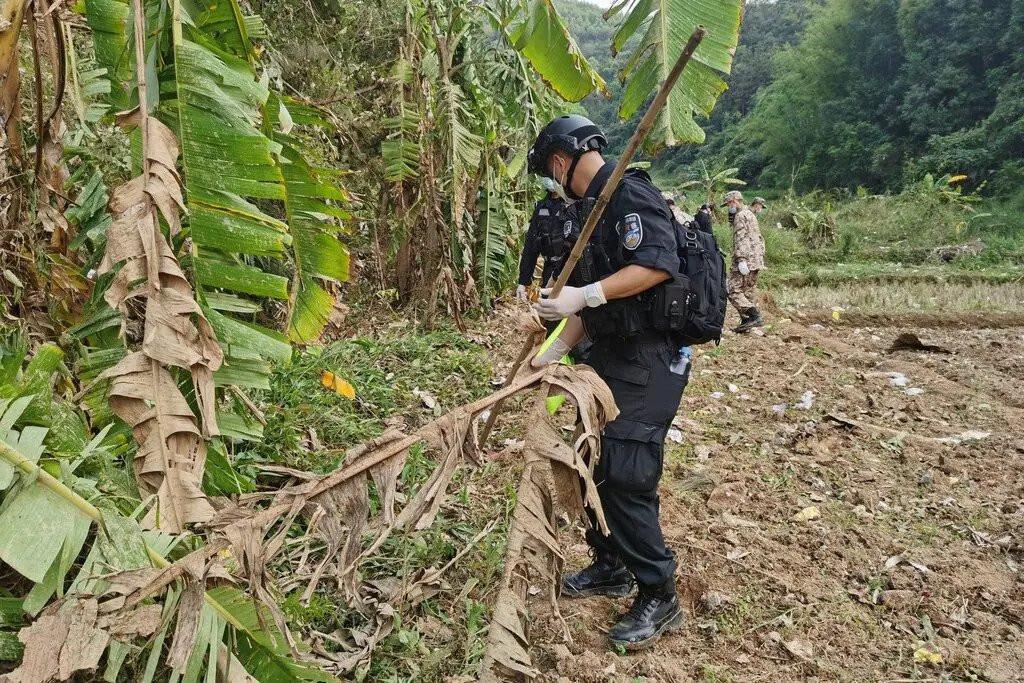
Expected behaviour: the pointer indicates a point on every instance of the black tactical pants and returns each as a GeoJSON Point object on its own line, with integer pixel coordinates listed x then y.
{"type": "Point", "coordinates": [648, 384]}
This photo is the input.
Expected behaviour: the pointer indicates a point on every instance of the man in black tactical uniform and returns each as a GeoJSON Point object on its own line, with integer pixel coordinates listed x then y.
{"type": "Point", "coordinates": [703, 218]}
{"type": "Point", "coordinates": [633, 254]}
{"type": "Point", "coordinates": [544, 237]}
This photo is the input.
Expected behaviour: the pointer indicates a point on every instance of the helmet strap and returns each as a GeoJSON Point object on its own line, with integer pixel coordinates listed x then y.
{"type": "Point", "coordinates": [572, 169]}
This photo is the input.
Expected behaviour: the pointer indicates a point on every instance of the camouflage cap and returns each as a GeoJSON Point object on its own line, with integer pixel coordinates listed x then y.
{"type": "Point", "coordinates": [731, 195]}
{"type": "Point", "coordinates": [762, 201]}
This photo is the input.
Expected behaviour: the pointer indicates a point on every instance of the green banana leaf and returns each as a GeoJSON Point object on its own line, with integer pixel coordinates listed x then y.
{"type": "Point", "coordinates": [666, 26]}
{"type": "Point", "coordinates": [545, 41]}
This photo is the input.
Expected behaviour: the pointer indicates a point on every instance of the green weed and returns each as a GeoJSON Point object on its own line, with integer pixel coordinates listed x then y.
{"type": "Point", "coordinates": [384, 372]}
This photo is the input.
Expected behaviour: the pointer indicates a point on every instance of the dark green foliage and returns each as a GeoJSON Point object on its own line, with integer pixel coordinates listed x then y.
{"type": "Point", "coordinates": [766, 28]}
{"type": "Point", "coordinates": [879, 92]}
{"type": "Point", "coordinates": [842, 94]}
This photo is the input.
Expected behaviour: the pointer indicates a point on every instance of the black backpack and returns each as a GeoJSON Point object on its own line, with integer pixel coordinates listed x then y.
{"type": "Point", "coordinates": [703, 264]}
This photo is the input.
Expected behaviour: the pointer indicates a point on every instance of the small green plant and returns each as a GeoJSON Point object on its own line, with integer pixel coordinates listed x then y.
{"type": "Point", "coordinates": [712, 183]}
{"type": "Point", "coordinates": [947, 190]}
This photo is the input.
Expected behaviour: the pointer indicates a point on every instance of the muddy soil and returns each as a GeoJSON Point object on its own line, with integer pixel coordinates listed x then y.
{"type": "Point", "coordinates": [840, 512]}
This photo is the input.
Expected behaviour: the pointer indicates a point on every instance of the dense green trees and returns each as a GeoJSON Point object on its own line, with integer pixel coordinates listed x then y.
{"type": "Point", "coordinates": [848, 93]}
{"type": "Point", "coordinates": [878, 92]}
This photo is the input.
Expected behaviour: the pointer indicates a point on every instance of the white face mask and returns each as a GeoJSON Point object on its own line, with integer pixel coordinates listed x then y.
{"type": "Point", "coordinates": [560, 185]}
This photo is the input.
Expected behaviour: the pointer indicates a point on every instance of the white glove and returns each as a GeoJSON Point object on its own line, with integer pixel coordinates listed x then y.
{"type": "Point", "coordinates": [571, 300]}
{"type": "Point", "coordinates": [556, 349]}
{"type": "Point", "coordinates": [521, 292]}
{"type": "Point", "coordinates": [743, 268]}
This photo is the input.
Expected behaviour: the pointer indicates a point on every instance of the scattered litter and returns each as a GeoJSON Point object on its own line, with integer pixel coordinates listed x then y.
{"type": "Point", "coordinates": [911, 342]}
{"type": "Point", "coordinates": [817, 326]}
{"type": "Point", "coordinates": [733, 388]}
{"type": "Point", "coordinates": [896, 560]}
{"type": "Point", "coordinates": [674, 435]}
{"type": "Point", "coordinates": [928, 654]}
{"type": "Point", "coordinates": [713, 602]}
{"type": "Point", "coordinates": [966, 437]}
{"type": "Point", "coordinates": [898, 379]}
{"type": "Point", "coordinates": [737, 554]}
{"type": "Point", "coordinates": [914, 391]}
{"type": "Point", "coordinates": [801, 649]}
{"type": "Point", "coordinates": [703, 452]}
{"type": "Point", "coordinates": [779, 408]}
{"type": "Point", "coordinates": [927, 478]}
{"type": "Point", "coordinates": [806, 401]}
{"type": "Point", "coordinates": [807, 514]}
{"type": "Point", "coordinates": [717, 394]}
{"type": "Point", "coordinates": [428, 400]}
{"type": "Point", "coordinates": [484, 415]}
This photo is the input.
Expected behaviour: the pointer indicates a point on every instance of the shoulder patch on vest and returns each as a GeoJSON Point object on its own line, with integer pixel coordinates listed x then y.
{"type": "Point", "coordinates": [632, 231]}
{"type": "Point", "coordinates": [566, 228]}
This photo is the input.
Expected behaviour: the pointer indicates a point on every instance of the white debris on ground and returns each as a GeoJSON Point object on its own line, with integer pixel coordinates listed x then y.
{"type": "Point", "coordinates": [806, 401]}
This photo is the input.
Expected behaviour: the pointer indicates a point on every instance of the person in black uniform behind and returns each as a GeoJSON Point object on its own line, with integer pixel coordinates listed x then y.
{"type": "Point", "coordinates": [543, 238]}
{"type": "Point", "coordinates": [633, 253]}
{"type": "Point", "coordinates": [703, 218]}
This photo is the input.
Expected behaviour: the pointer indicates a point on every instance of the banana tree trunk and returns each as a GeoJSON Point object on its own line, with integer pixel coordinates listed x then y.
{"type": "Point", "coordinates": [12, 14]}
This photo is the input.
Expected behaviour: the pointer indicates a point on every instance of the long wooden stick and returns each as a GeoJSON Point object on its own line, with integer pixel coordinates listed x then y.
{"type": "Point", "coordinates": [642, 129]}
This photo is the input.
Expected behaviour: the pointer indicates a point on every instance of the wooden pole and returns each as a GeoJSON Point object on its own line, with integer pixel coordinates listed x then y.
{"type": "Point", "coordinates": [642, 129]}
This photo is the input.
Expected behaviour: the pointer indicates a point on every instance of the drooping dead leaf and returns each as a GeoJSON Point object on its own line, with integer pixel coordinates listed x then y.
{"type": "Point", "coordinates": [71, 635]}
{"type": "Point", "coordinates": [172, 451]}
{"type": "Point", "coordinates": [533, 555]}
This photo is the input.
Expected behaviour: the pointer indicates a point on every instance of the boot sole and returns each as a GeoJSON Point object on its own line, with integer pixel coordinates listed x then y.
{"type": "Point", "coordinates": [594, 592]}
{"type": "Point", "coordinates": [673, 624]}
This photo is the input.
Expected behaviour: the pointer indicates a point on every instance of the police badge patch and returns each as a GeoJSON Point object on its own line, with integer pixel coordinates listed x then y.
{"type": "Point", "coordinates": [632, 231]}
{"type": "Point", "coordinates": [566, 228]}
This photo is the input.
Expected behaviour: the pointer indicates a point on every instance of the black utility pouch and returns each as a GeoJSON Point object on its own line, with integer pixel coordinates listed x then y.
{"type": "Point", "coordinates": [670, 305]}
{"type": "Point", "coordinates": [622, 318]}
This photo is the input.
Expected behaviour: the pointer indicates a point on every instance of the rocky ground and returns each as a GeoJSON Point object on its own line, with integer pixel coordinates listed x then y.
{"type": "Point", "coordinates": [842, 509]}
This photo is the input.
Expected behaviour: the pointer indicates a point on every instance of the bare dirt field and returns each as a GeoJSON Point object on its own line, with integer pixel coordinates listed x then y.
{"type": "Point", "coordinates": [840, 511]}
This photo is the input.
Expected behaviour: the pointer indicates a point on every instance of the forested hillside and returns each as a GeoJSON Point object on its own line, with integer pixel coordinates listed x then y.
{"type": "Point", "coordinates": [840, 94]}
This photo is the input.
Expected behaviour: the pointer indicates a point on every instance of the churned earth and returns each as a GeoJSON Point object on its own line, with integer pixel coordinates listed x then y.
{"type": "Point", "coordinates": [842, 509]}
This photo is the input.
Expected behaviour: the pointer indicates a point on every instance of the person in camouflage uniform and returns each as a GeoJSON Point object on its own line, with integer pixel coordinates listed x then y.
{"type": "Point", "coordinates": [747, 262]}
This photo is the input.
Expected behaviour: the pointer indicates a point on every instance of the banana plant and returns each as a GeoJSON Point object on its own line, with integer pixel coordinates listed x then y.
{"type": "Point", "coordinates": [659, 29]}
{"type": "Point", "coordinates": [241, 162]}
{"type": "Point", "coordinates": [712, 183]}
{"type": "Point", "coordinates": [663, 27]}
{"type": "Point", "coordinates": [52, 511]}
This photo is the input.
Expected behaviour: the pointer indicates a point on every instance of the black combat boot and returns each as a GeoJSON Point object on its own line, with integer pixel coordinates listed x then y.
{"type": "Point", "coordinates": [750, 319]}
{"type": "Point", "coordinates": [654, 611]}
{"type": "Point", "coordinates": [605, 576]}
{"type": "Point", "coordinates": [742, 327]}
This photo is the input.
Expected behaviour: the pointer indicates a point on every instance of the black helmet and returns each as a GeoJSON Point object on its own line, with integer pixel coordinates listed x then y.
{"type": "Point", "coordinates": [572, 134]}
